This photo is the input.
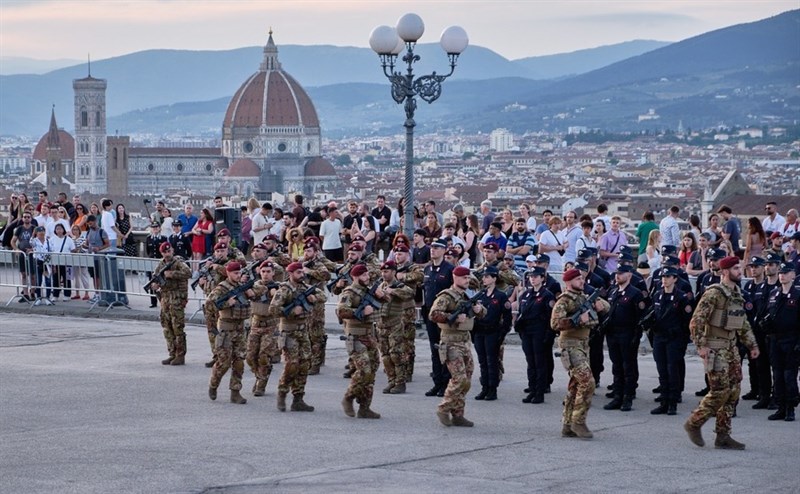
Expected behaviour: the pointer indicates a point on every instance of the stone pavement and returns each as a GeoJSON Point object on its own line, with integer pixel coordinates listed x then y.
{"type": "Point", "coordinates": [85, 406]}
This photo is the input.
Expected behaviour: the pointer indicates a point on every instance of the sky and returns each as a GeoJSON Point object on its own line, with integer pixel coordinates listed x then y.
{"type": "Point", "coordinates": [55, 29]}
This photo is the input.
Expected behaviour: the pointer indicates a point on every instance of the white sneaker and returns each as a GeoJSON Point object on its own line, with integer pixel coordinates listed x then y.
{"type": "Point", "coordinates": [38, 302]}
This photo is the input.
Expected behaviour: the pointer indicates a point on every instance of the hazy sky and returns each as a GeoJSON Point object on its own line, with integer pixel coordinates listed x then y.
{"type": "Point", "coordinates": [51, 29]}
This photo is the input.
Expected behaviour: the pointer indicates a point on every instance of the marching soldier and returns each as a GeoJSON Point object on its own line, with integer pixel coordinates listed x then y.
{"type": "Point", "coordinates": [413, 276]}
{"type": "Point", "coordinates": [398, 299]}
{"type": "Point", "coordinates": [318, 270]}
{"type": "Point", "coordinates": [506, 279]}
{"type": "Point", "coordinates": [230, 342]}
{"type": "Point", "coordinates": [672, 309]}
{"type": "Point", "coordinates": [262, 341]}
{"type": "Point", "coordinates": [360, 317]}
{"type": "Point", "coordinates": [215, 269]}
{"type": "Point", "coordinates": [454, 345]}
{"type": "Point", "coordinates": [438, 277]}
{"type": "Point", "coordinates": [535, 307]}
{"type": "Point", "coordinates": [293, 339]}
{"type": "Point", "coordinates": [174, 296]}
{"type": "Point", "coordinates": [705, 280]}
{"type": "Point", "coordinates": [719, 318]}
{"type": "Point", "coordinates": [276, 256]}
{"type": "Point", "coordinates": [573, 342]}
{"type": "Point", "coordinates": [152, 248]}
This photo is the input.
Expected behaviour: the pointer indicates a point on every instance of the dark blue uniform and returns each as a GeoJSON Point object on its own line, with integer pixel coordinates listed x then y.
{"type": "Point", "coordinates": [784, 336]}
{"type": "Point", "coordinates": [705, 280]}
{"type": "Point", "coordinates": [749, 294]}
{"type": "Point", "coordinates": [181, 245]}
{"type": "Point", "coordinates": [488, 332]}
{"type": "Point", "coordinates": [762, 364]}
{"type": "Point", "coordinates": [437, 279]}
{"type": "Point", "coordinates": [533, 327]}
{"type": "Point", "coordinates": [152, 248]}
{"type": "Point", "coordinates": [672, 312]}
{"type": "Point", "coordinates": [554, 287]}
{"type": "Point", "coordinates": [623, 333]}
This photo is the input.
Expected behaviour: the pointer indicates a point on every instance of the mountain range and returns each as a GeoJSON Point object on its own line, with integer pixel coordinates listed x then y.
{"type": "Point", "coordinates": [746, 74]}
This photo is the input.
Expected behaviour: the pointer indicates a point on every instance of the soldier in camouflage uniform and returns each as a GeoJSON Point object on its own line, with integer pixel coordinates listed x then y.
{"type": "Point", "coordinates": [174, 296]}
{"type": "Point", "coordinates": [276, 256]}
{"type": "Point", "coordinates": [398, 299]}
{"type": "Point", "coordinates": [412, 275]}
{"type": "Point", "coordinates": [574, 344]}
{"type": "Point", "coordinates": [262, 341]}
{"type": "Point", "coordinates": [719, 318]}
{"type": "Point", "coordinates": [318, 270]}
{"type": "Point", "coordinates": [455, 349]}
{"type": "Point", "coordinates": [507, 279]}
{"type": "Point", "coordinates": [230, 341]}
{"type": "Point", "coordinates": [293, 339]}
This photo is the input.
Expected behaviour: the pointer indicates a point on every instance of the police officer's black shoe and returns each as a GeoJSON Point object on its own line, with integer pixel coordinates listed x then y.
{"type": "Point", "coordinates": [614, 404]}
{"type": "Point", "coordinates": [658, 390]}
{"type": "Point", "coordinates": [433, 391]}
{"type": "Point", "coordinates": [491, 395]}
{"type": "Point", "coordinates": [752, 395]}
{"type": "Point", "coordinates": [660, 409]}
{"type": "Point", "coordinates": [527, 390]}
{"type": "Point", "coordinates": [773, 405]}
{"type": "Point", "coordinates": [779, 415]}
{"type": "Point", "coordinates": [442, 389]}
{"type": "Point", "coordinates": [627, 404]}
{"type": "Point", "coordinates": [539, 398]}
{"type": "Point", "coordinates": [672, 408]}
{"type": "Point", "coordinates": [610, 394]}
{"type": "Point", "coordinates": [761, 404]}
{"type": "Point", "coordinates": [702, 392]}
{"type": "Point", "coordinates": [482, 394]}
{"type": "Point", "coordinates": [528, 398]}
{"type": "Point", "coordinates": [789, 414]}
{"type": "Point", "coordinates": [659, 399]}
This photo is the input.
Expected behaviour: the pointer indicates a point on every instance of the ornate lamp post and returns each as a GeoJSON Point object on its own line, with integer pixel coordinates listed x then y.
{"type": "Point", "coordinates": [389, 42]}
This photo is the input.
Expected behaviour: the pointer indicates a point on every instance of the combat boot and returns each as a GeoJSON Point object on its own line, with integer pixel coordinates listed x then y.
{"type": "Point", "coordinates": [614, 404]}
{"type": "Point", "coordinates": [724, 441]}
{"type": "Point", "coordinates": [762, 403]}
{"type": "Point", "coordinates": [209, 364]}
{"type": "Point", "coordinates": [444, 418]}
{"type": "Point", "coordinates": [695, 435]}
{"type": "Point", "coordinates": [298, 405]}
{"type": "Point", "coordinates": [212, 393]}
{"type": "Point", "coordinates": [461, 421]}
{"type": "Point", "coordinates": [168, 360]}
{"type": "Point", "coordinates": [789, 414]}
{"type": "Point", "coordinates": [347, 374]}
{"type": "Point", "coordinates": [347, 406]}
{"type": "Point", "coordinates": [178, 360]}
{"type": "Point", "coordinates": [180, 351]}
{"type": "Point", "coordinates": [672, 408]}
{"type": "Point", "coordinates": [752, 395]}
{"type": "Point", "coordinates": [538, 398]}
{"type": "Point", "coordinates": [398, 389]}
{"type": "Point", "coordinates": [661, 409]}
{"type": "Point", "coordinates": [566, 431]}
{"type": "Point", "coordinates": [259, 388]}
{"type": "Point", "coordinates": [491, 395]}
{"type": "Point", "coordinates": [627, 404]}
{"type": "Point", "coordinates": [281, 401]}
{"type": "Point", "coordinates": [364, 412]}
{"type": "Point", "coordinates": [528, 398]}
{"type": "Point", "coordinates": [237, 398]}
{"type": "Point", "coordinates": [482, 394]}
{"type": "Point", "coordinates": [582, 431]}
{"type": "Point", "coordinates": [779, 415]}
{"type": "Point", "coordinates": [388, 389]}
{"type": "Point", "coordinates": [313, 371]}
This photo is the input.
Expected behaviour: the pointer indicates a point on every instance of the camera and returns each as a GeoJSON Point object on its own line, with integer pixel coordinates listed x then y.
{"type": "Point", "coordinates": [146, 201]}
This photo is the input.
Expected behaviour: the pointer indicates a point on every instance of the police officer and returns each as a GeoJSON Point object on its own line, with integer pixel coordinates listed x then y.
{"type": "Point", "coordinates": [551, 284]}
{"type": "Point", "coordinates": [489, 330]}
{"type": "Point", "coordinates": [535, 306]}
{"type": "Point", "coordinates": [755, 267]}
{"type": "Point", "coordinates": [180, 243]}
{"type": "Point", "coordinates": [627, 307]}
{"type": "Point", "coordinates": [760, 304]}
{"type": "Point", "coordinates": [438, 276]}
{"type": "Point", "coordinates": [783, 325]}
{"type": "Point", "coordinates": [712, 275]}
{"type": "Point", "coordinates": [672, 311]}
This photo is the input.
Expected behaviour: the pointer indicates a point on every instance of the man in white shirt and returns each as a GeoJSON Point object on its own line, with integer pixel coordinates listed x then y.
{"type": "Point", "coordinates": [278, 223]}
{"type": "Point", "coordinates": [108, 223]}
{"type": "Point", "coordinates": [262, 223]}
{"type": "Point", "coordinates": [670, 232]}
{"type": "Point", "coordinates": [773, 222]}
{"type": "Point", "coordinates": [789, 228]}
{"type": "Point", "coordinates": [572, 232]}
{"type": "Point", "coordinates": [330, 233]}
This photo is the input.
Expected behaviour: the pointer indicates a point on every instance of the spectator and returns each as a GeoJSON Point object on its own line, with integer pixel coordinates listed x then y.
{"type": "Point", "coordinates": [126, 240]}
{"type": "Point", "coordinates": [488, 216]}
{"type": "Point", "coordinates": [507, 219]}
{"type": "Point", "coordinates": [420, 251]}
{"type": "Point", "coordinates": [585, 240]}
{"type": "Point", "coordinates": [314, 219]}
{"type": "Point", "coordinates": [246, 235]}
{"type": "Point", "coordinates": [64, 244]}
{"type": "Point", "coordinates": [296, 244]}
{"type": "Point", "coordinates": [299, 211]}
{"type": "Point", "coordinates": [166, 220]}
{"type": "Point", "coordinates": [330, 234]}
{"type": "Point", "coordinates": [527, 214]}
{"type": "Point", "coordinates": [80, 219]}
{"type": "Point", "coordinates": [572, 232]}
{"type": "Point", "coordinates": [694, 225]}
{"type": "Point", "coordinates": [697, 260]}
{"type": "Point", "coordinates": [495, 235]}
{"type": "Point", "coordinates": [262, 223]}
{"type": "Point", "coordinates": [521, 243]}
{"type": "Point", "coordinates": [714, 230]}
{"type": "Point", "coordinates": [602, 214]}
{"type": "Point", "coordinates": [108, 223]}
{"type": "Point", "coordinates": [670, 231]}
{"type": "Point", "coordinates": [80, 274]}
{"type": "Point", "coordinates": [773, 222]}
{"type": "Point", "coordinates": [756, 241]}
{"type": "Point", "coordinates": [68, 206]}
{"type": "Point", "coordinates": [653, 250]}
{"type": "Point", "coordinates": [432, 228]}
{"type": "Point", "coordinates": [41, 256]}
{"type": "Point", "coordinates": [43, 218]}
{"type": "Point", "coordinates": [610, 244]}
{"type": "Point", "coordinates": [368, 229]}
{"type": "Point", "coordinates": [791, 226]}
{"type": "Point", "coordinates": [471, 238]}
{"type": "Point", "coordinates": [688, 247]}
{"type": "Point", "coordinates": [22, 242]}
{"type": "Point", "coordinates": [430, 207]}
{"type": "Point", "coordinates": [460, 219]}
{"type": "Point", "coordinates": [395, 222]}
{"type": "Point", "coordinates": [383, 217]}
{"type": "Point", "coordinates": [731, 230]}
{"type": "Point", "coordinates": [61, 218]}
{"type": "Point", "coordinates": [553, 243]}
{"type": "Point", "coordinates": [203, 230]}
{"type": "Point", "coordinates": [647, 225]}
{"type": "Point", "coordinates": [278, 224]}
{"type": "Point", "coordinates": [546, 215]}
{"type": "Point", "coordinates": [42, 200]}
{"type": "Point", "coordinates": [188, 219]}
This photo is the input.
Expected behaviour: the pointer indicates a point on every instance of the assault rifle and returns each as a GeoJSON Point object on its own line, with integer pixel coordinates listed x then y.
{"type": "Point", "coordinates": [586, 306]}
{"type": "Point", "coordinates": [204, 272]}
{"type": "Point", "coordinates": [265, 296]}
{"type": "Point", "coordinates": [300, 301]}
{"type": "Point", "coordinates": [465, 307]}
{"type": "Point", "coordinates": [237, 293]}
{"type": "Point", "coordinates": [158, 277]}
{"type": "Point", "coordinates": [346, 277]}
{"type": "Point", "coordinates": [368, 299]}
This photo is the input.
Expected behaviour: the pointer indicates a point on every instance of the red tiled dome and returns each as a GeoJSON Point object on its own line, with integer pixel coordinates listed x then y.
{"type": "Point", "coordinates": [319, 167]}
{"type": "Point", "coordinates": [65, 140]}
{"type": "Point", "coordinates": [243, 167]}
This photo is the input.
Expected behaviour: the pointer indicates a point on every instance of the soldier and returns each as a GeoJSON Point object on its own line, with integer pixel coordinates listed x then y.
{"type": "Point", "coordinates": [506, 279]}
{"type": "Point", "coordinates": [181, 245]}
{"type": "Point", "coordinates": [151, 247]}
{"type": "Point", "coordinates": [716, 322]}
{"type": "Point", "coordinates": [573, 342]}
{"type": "Point", "coordinates": [262, 341]}
{"type": "Point", "coordinates": [293, 339]}
{"type": "Point", "coordinates": [360, 317]}
{"type": "Point", "coordinates": [215, 269]}
{"type": "Point", "coordinates": [230, 342]}
{"type": "Point", "coordinates": [275, 255]}
{"type": "Point", "coordinates": [783, 326]}
{"type": "Point", "coordinates": [233, 254]}
{"type": "Point", "coordinates": [760, 304]}
{"type": "Point", "coordinates": [398, 299]}
{"type": "Point", "coordinates": [454, 345]}
{"type": "Point", "coordinates": [174, 296]}
{"type": "Point", "coordinates": [534, 307]}
{"type": "Point", "coordinates": [438, 277]}
{"type": "Point", "coordinates": [318, 270]}
{"type": "Point", "coordinates": [672, 309]}
{"type": "Point", "coordinates": [755, 267]}
{"type": "Point", "coordinates": [488, 332]}
{"type": "Point", "coordinates": [627, 308]}
{"type": "Point", "coordinates": [413, 276]}
{"type": "Point", "coordinates": [705, 280]}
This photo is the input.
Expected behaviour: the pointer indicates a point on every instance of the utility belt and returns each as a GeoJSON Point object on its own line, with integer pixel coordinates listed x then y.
{"type": "Point", "coordinates": [464, 327]}
{"type": "Point", "coordinates": [260, 309]}
{"type": "Point", "coordinates": [565, 342]}
{"type": "Point", "coordinates": [291, 327]}
{"type": "Point", "coordinates": [454, 337]}
{"type": "Point", "coordinates": [262, 322]}
{"type": "Point", "coordinates": [230, 325]}
{"type": "Point", "coordinates": [237, 312]}
{"type": "Point", "coordinates": [355, 328]}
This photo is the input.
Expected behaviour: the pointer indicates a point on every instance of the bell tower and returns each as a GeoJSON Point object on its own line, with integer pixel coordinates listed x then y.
{"type": "Point", "coordinates": [91, 173]}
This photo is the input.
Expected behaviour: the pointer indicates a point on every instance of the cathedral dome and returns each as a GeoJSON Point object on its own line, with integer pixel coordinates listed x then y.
{"type": "Point", "coordinates": [55, 138]}
{"type": "Point", "coordinates": [243, 167]}
{"type": "Point", "coordinates": [319, 167]}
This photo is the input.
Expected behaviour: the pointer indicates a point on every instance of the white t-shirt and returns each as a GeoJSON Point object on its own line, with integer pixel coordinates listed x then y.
{"type": "Point", "coordinates": [572, 235]}
{"type": "Point", "coordinates": [329, 231]}
{"type": "Point", "coordinates": [259, 221]}
{"type": "Point", "coordinates": [107, 223]}
{"type": "Point", "coordinates": [556, 260]}
{"type": "Point", "coordinates": [531, 224]}
{"type": "Point", "coordinates": [775, 225]}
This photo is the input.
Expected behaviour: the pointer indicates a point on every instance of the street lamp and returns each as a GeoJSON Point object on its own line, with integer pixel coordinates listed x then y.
{"type": "Point", "coordinates": [389, 42]}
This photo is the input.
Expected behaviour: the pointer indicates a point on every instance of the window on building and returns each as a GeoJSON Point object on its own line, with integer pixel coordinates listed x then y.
{"type": "Point", "coordinates": [97, 121]}
{"type": "Point", "coordinates": [84, 117]}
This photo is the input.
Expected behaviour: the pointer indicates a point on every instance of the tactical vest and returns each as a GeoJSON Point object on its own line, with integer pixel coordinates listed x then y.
{"type": "Point", "coordinates": [455, 333]}
{"type": "Point", "coordinates": [353, 326]}
{"type": "Point", "coordinates": [727, 316]}
{"type": "Point", "coordinates": [237, 313]}
{"type": "Point", "coordinates": [573, 301]}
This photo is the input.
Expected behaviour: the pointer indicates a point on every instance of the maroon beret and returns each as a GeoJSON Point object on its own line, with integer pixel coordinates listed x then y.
{"type": "Point", "coordinates": [165, 246]}
{"type": "Point", "coordinates": [260, 246]}
{"type": "Point", "coordinates": [224, 231]}
{"type": "Point", "coordinates": [266, 264]}
{"type": "Point", "coordinates": [401, 248]}
{"type": "Point", "coordinates": [358, 237]}
{"type": "Point", "coordinates": [728, 262]}
{"type": "Point", "coordinates": [358, 270]}
{"type": "Point", "coordinates": [355, 248]}
{"type": "Point", "coordinates": [461, 271]}
{"type": "Point", "coordinates": [272, 237]}
{"type": "Point", "coordinates": [233, 266]}
{"type": "Point", "coordinates": [571, 274]}
{"type": "Point", "coordinates": [492, 246]}
{"type": "Point", "coordinates": [220, 245]}
{"type": "Point", "coordinates": [291, 268]}
{"type": "Point", "coordinates": [389, 265]}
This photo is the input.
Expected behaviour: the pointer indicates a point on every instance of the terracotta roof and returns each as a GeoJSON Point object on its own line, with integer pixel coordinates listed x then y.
{"type": "Point", "coordinates": [244, 167]}
{"type": "Point", "coordinates": [65, 140]}
{"type": "Point", "coordinates": [319, 167]}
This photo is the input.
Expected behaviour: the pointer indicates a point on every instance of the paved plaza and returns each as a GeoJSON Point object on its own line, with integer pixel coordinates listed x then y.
{"type": "Point", "coordinates": [85, 406]}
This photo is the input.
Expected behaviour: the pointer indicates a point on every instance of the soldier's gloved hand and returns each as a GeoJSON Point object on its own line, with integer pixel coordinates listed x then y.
{"type": "Point", "coordinates": [340, 283]}
{"type": "Point", "coordinates": [312, 299]}
{"type": "Point", "coordinates": [585, 318]}
{"type": "Point", "coordinates": [298, 311]}
{"type": "Point", "coordinates": [369, 310]}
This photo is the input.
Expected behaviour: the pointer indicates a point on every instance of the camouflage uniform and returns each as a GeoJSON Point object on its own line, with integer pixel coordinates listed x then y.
{"type": "Point", "coordinates": [216, 275]}
{"type": "Point", "coordinates": [319, 271]}
{"type": "Point", "coordinates": [413, 276]}
{"type": "Point", "coordinates": [262, 341]}
{"type": "Point", "coordinates": [392, 332]}
{"type": "Point", "coordinates": [280, 260]}
{"type": "Point", "coordinates": [718, 319]}
{"type": "Point", "coordinates": [174, 295]}
{"type": "Point", "coordinates": [230, 340]}
{"type": "Point", "coordinates": [574, 344]}
{"type": "Point", "coordinates": [293, 339]}
{"type": "Point", "coordinates": [362, 347]}
{"type": "Point", "coordinates": [455, 350]}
